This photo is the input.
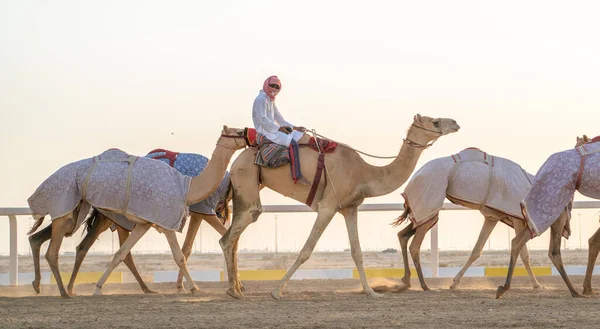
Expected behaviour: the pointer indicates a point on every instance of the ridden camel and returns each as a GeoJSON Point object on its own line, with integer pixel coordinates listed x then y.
{"type": "Point", "coordinates": [547, 205]}
{"type": "Point", "coordinates": [473, 179]}
{"type": "Point", "coordinates": [198, 188]}
{"type": "Point", "coordinates": [349, 180]}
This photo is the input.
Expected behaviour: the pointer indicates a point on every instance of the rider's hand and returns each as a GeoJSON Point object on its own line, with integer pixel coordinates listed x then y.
{"type": "Point", "coordinates": [285, 129]}
{"type": "Point", "coordinates": [300, 128]}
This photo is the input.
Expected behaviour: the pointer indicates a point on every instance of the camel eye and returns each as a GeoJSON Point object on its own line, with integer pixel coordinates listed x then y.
{"type": "Point", "coordinates": [436, 123]}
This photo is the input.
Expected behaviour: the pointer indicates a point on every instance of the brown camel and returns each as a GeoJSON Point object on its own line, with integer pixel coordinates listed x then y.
{"type": "Point", "coordinates": [556, 230]}
{"type": "Point", "coordinates": [433, 183]}
{"type": "Point", "coordinates": [348, 181]}
{"type": "Point", "coordinates": [200, 188]}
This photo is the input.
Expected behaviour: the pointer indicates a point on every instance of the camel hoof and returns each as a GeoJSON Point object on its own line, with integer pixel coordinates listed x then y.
{"type": "Point", "coordinates": [36, 286]}
{"type": "Point", "coordinates": [150, 291]}
{"type": "Point", "coordinates": [195, 290]}
{"type": "Point", "coordinates": [181, 290]}
{"type": "Point", "coordinates": [539, 287]}
{"type": "Point", "coordinates": [500, 291]}
{"type": "Point", "coordinates": [455, 285]}
{"type": "Point", "coordinates": [234, 294]}
{"type": "Point", "coordinates": [276, 294]}
{"type": "Point", "coordinates": [65, 295]}
{"type": "Point", "coordinates": [578, 295]}
{"type": "Point", "coordinates": [589, 292]}
{"type": "Point", "coordinates": [425, 288]}
{"type": "Point", "coordinates": [374, 294]}
{"type": "Point", "coordinates": [98, 292]}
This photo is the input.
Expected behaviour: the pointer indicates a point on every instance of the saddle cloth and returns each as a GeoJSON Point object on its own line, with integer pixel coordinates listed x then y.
{"type": "Point", "coordinates": [467, 176]}
{"type": "Point", "coordinates": [189, 164]}
{"type": "Point", "coordinates": [117, 182]}
{"type": "Point", "coordinates": [555, 184]}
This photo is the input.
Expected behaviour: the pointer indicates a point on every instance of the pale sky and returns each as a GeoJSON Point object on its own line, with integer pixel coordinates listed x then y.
{"type": "Point", "coordinates": [78, 77]}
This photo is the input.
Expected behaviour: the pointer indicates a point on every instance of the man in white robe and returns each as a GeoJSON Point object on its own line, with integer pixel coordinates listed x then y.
{"type": "Point", "coordinates": [267, 118]}
{"type": "Point", "coordinates": [269, 121]}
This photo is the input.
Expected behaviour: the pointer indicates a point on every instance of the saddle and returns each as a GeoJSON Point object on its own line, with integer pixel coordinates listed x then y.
{"type": "Point", "coordinates": [274, 155]}
{"type": "Point", "coordinates": [164, 154]}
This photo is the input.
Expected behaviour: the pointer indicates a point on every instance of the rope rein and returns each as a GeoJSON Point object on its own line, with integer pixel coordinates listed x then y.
{"type": "Point", "coordinates": [406, 141]}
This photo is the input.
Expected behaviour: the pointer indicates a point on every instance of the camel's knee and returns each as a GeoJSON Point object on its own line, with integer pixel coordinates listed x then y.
{"type": "Point", "coordinates": [414, 251]}
{"type": "Point", "coordinates": [51, 258]}
{"type": "Point", "coordinates": [303, 257]}
{"type": "Point", "coordinates": [255, 213]}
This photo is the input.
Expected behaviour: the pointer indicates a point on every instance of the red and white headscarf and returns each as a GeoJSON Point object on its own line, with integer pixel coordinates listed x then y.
{"type": "Point", "coordinates": [272, 92]}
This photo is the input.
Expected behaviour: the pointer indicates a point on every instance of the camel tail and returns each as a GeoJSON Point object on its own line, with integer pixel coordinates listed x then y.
{"type": "Point", "coordinates": [400, 219]}
{"type": "Point", "coordinates": [36, 225]}
{"type": "Point", "coordinates": [90, 221]}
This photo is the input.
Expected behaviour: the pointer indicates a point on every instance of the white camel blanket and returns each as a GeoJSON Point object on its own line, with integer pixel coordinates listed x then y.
{"type": "Point", "coordinates": [467, 176]}
{"type": "Point", "coordinates": [555, 184]}
{"type": "Point", "coordinates": [148, 189]}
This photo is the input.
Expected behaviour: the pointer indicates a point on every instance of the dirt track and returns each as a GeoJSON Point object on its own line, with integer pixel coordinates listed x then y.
{"type": "Point", "coordinates": [307, 304]}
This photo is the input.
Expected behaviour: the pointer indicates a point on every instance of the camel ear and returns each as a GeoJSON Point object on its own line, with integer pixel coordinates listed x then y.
{"type": "Point", "coordinates": [585, 138]}
{"type": "Point", "coordinates": [225, 129]}
{"type": "Point", "coordinates": [417, 118]}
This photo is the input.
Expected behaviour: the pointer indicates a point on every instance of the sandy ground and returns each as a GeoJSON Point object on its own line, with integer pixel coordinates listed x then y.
{"type": "Point", "coordinates": [306, 304]}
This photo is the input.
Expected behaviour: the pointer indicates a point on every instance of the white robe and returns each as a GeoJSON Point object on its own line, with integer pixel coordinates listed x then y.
{"type": "Point", "coordinates": [267, 121]}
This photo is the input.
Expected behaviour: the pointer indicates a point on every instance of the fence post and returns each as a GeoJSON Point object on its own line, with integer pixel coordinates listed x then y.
{"type": "Point", "coordinates": [434, 252]}
{"type": "Point", "coordinates": [14, 254]}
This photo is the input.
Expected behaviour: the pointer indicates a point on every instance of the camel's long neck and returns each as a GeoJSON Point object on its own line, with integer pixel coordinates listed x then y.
{"type": "Point", "coordinates": [206, 183]}
{"type": "Point", "coordinates": [384, 180]}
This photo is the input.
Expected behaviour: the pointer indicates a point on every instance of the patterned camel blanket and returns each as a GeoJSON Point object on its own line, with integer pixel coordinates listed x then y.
{"type": "Point", "coordinates": [117, 182]}
{"type": "Point", "coordinates": [471, 175]}
{"type": "Point", "coordinates": [189, 164]}
{"type": "Point", "coordinates": [555, 184]}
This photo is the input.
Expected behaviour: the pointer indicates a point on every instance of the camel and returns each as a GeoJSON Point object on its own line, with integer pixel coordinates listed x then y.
{"type": "Point", "coordinates": [554, 186]}
{"type": "Point", "coordinates": [191, 165]}
{"type": "Point", "coordinates": [447, 178]}
{"type": "Point", "coordinates": [349, 180]}
{"type": "Point", "coordinates": [199, 188]}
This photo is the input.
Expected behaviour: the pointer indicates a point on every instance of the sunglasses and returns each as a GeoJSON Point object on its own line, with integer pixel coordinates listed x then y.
{"type": "Point", "coordinates": [272, 85]}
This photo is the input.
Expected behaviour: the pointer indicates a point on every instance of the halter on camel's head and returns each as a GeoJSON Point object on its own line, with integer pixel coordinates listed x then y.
{"type": "Point", "coordinates": [436, 127]}
{"type": "Point", "coordinates": [239, 137]}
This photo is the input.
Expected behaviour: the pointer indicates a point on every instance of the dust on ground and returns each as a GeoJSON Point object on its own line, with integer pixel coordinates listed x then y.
{"type": "Point", "coordinates": [306, 304]}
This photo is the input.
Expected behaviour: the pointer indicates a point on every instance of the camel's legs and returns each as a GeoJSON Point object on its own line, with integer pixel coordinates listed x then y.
{"type": "Point", "coordinates": [415, 249]}
{"type": "Point", "coordinates": [323, 219]}
{"type": "Point", "coordinates": [229, 243]}
{"type": "Point", "coordinates": [60, 227]}
{"type": "Point", "coordinates": [100, 225]}
{"type": "Point", "coordinates": [486, 230]}
{"type": "Point", "coordinates": [519, 225]}
{"type": "Point", "coordinates": [36, 240]}
{"type": "Point", "coordinates": [138, 231]}
{"type": "Point", "coordinates": [180, 259]}
{"type": "Point", "coordinates": [554, 253]}
{"type": "Point", "coordinates": [195, 221]}
{"type": "Point", "coordinates": [594, 249]}
{"type": "Point", "coordinates": [246, 210]}
{"type": "Point", "coordinates": [403, 237]}
{"type": "Point", "coordinates": [123, 235]}
{"type": "Point", "coordinates": [215, 223]}
{"type": "Point", "coordinates": [351, 217]}
{"type": "Point", "coordinates": [516, 245]}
